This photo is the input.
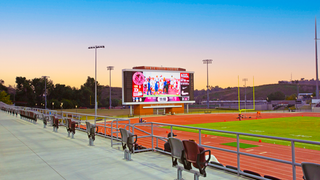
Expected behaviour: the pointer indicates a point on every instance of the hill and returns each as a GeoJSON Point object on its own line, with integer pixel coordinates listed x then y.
{"type": "Point", "coordinates": [261, 92]}
{"type": "Point", "coordinates": [217, 93]}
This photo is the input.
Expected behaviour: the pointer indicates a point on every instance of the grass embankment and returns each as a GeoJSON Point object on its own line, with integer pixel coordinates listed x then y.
{"type": "Point", "coordinates": [304, 128]}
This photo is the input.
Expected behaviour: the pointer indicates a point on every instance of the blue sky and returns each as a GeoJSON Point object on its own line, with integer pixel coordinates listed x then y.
{"type": "Point", "coordinates": [269, 40]}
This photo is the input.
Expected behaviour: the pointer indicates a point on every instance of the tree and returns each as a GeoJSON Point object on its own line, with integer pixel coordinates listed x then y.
{"type": "Point", "coordinates": [278, 95]}
{"type": "Point", "coordinates": [24, 93]}
{"type": "Point", "coordinates": [2, 87]}
{"type": "Point", "coordinates": [4, 97]}
{"type": "Point", "coordinates": [114, 102]}
{"type": "Point", "coordinates": [292, 97]}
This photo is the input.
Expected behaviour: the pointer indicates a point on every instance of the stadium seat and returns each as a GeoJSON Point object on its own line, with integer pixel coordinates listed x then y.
{"type": "Point", "coordinates": [232, 168]}
{"type": "Point", "coordinates": [215, 163]}
{"type": "Point", "coordinates": [91, 133]}
{"type": "Point", "coordinates": [196, 155]}
{"type": "Point", "coordinates": [45, 122]}
{"type": "Point", "coordinates": [71, 127]}
{"type": "Point", "coordinates": [127, 139]}
{"type": "Point", "coordinates": [311, 171]}
{"type": "Point", "coordinates": [252, 173]}
{"type": "Point", "coordinates": [271, 177]}
{"type": "Point", "coordinates": [55, 124]}
{"type": "Point", "coordinates": [177, 153]}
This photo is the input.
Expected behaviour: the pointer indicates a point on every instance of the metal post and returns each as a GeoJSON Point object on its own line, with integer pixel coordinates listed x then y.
{"type": "Point", "coordinates": [316, 54]}
{"type": "Point", "coordinates": [152, 135]}
{"type": "Point", "coordinates": [199, 136]}
{"type": "Point", "coordinates": [105, 127]}
{"type": "Point", "coordinates": [207, 61]}
{"type": "Point", "coordinates": [110, 91]}
{"type": "Point", "coordinates": [111, 134]}
{"type": "Point", "coordinates": [156, 142]}
{"type": "Point", "coordinates": [95, 80]}
{"type": "Point", "coordinates": [110, 68]}
{"type": "Point", "coordinates": [238, 155]}
{"type": "Point", "coordinates": [45, 91]}
{"type": "Point", "coordinates": [117, 128]}
{"type": "Point", "coordinates": [130, 110]}
{"type": "Point", "coordinates": [95, 87]}
{"type": "Point", "coordinates": [207, 86]}
{"type": "Point", "coordinates": [293, 161]}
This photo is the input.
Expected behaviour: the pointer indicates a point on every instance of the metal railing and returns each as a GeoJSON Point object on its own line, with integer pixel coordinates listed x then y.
{"type": "Point", "coordinates": [115, 123]}
{"type": "Point", "coordinates": [293, 162]}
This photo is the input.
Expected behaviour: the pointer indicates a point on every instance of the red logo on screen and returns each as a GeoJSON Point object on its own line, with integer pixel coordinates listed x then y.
{"type": "Point", "coordinates": [138, 78]}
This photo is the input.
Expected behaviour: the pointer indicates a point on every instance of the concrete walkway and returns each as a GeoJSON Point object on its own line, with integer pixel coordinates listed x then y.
{"type": "Point", "coordinates": [28, 151]}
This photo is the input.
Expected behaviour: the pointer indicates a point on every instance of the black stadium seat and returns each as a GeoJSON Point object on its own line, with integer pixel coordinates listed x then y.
{"type": "Point", "coordinates": [271, 177]}
{"type": "Point", "coordinates": [251, 172]}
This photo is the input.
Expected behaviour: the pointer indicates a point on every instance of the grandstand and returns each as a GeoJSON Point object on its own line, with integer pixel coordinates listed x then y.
{"type": "Point", "coordinates": [48, 154]}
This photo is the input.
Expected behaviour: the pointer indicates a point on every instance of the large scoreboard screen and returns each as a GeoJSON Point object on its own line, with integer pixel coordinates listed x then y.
{"type": "Point", "coordinates": [141, 86]}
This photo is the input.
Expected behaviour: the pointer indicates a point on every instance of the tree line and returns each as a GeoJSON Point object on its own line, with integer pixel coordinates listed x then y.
{"type": "Point", "coordinates": [31, 93]}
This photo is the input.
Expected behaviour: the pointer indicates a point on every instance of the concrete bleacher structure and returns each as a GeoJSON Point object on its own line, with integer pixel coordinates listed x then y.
{"type": "Point", "coordinates": [29, 151]}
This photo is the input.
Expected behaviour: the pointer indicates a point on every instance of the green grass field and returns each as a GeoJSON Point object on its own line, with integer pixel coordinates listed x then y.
{"type": "Point", "coordinates": [305, 128]}
{"type": "Point", "coordinates": [241, 145]}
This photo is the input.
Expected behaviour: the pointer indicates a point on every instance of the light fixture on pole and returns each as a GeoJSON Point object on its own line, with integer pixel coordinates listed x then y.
{"type": "Point", "coordinates": [207, 61]}
{"type": "Point", "coordinates": [110, 68]}
{"type": "Point", "coordinates": [95, 79]}
{"type": "Point", "coordinates": [45, 91]}
{"type": "Point", "coordinates": [52, 105]}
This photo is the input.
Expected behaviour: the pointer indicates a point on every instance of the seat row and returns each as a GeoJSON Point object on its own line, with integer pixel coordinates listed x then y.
{"type": "Point", "coordinates": [71, 128]}
{"type": "Point", "coordinates": [28, 115]}
{"type": "Point", "coordinates": [233, 169]}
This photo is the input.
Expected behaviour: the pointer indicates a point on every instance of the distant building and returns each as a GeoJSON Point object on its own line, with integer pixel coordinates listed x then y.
{"type": "Point", "coordinates": [304, 96]}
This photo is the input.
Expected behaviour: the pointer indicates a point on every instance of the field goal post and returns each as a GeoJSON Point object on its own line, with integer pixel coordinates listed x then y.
{"type": "Point", "coordinates": [239, 107]}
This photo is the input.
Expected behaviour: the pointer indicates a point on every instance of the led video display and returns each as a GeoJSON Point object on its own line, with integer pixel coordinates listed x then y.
{"type": "Point", "coordinates": [157, 86]}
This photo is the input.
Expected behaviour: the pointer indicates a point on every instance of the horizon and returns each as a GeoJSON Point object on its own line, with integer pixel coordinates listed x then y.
{"type": "Point", "coordinates": [268, 41]}
{"type": "Point", "coordinates": [247, 85]}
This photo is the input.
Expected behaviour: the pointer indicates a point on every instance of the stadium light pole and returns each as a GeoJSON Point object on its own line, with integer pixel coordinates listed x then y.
{"type": "Point", "coordinates": [95, 79]}
{"type": "Point", "coordinates": [45, 91]}
{"type": "Point", "coordinates": [110, 68]}
{"type": "Point", "coordinates": [207, 61]}
{"type": "Point", "coordinates": [316, 54]}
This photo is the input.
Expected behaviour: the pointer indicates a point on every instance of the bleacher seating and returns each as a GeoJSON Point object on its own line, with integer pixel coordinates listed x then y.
{"type": "Point", "coordinates": [28, 115]}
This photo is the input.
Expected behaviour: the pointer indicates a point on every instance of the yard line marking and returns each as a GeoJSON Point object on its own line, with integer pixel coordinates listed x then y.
{"type": "Point", "coordinates": [249, 150]}
{"type": "Point", "coordinates": [262, 152]}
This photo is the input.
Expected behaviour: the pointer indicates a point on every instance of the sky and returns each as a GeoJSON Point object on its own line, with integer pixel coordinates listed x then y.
{"type": "Point", "coordinates": [268, 40]}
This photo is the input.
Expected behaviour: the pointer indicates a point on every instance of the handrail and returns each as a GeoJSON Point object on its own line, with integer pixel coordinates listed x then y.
{"type": "Point", "coordinates": [134, 127]}
{"type": "Point", "coordinates": [293, 141]}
